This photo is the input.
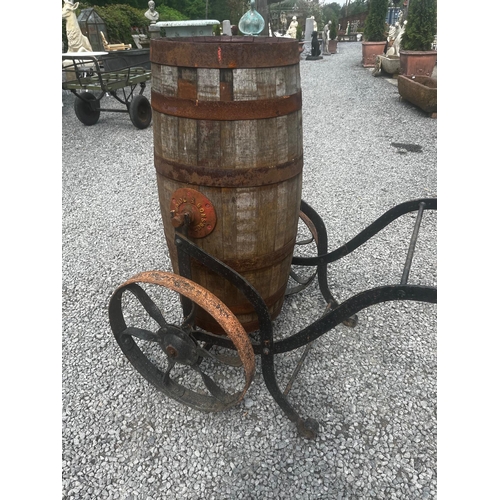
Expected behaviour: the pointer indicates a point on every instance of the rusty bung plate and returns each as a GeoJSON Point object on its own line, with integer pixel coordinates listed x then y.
{"type": "Point", "coordinates": [200, 209]}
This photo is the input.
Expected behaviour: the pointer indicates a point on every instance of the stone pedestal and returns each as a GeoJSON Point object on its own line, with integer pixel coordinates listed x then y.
{"type": "Point", "coordinates": [308, 35]}
{"type": "Point", "coordinates": [226, 28]}
{"type": "Point", "coordinates": [154, 31]}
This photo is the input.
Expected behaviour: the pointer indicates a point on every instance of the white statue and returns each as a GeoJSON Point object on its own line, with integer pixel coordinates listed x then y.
{"type": "Point", "coordinates": [77, 41]}
{"type": "Point", "coordinates": [326, 37]}
{"type": "Point", "coordinates": [151, 13]}
{"type": "Point", "coordinates": [394, 50]}
{"type": "Point", "coordinates": [292, 29]}
{"type": "Point", "coordinates": [315, 24]}
{"type": "Point", "coordinates": [392, 32]}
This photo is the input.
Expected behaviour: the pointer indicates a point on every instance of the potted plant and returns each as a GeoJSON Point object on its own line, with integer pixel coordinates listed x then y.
{"type": "Point", "coordinates": [416, 56]}
{"type": "Point", "coordinates": [332, 43]}
{"type": "Point", "coordinates": [374, 33]}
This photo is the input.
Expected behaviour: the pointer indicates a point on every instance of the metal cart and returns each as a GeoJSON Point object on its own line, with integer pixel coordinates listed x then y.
{"type": "Point", "coordinates": [228, 158]}
{"type": "Point", "coordinates": [88, 77]}
{"type": "Point", "coordinates": [183, 344]}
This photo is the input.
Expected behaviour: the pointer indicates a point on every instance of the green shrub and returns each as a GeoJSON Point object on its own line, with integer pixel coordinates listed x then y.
{"type": "Point", "coordinates": [168, 14]}
{"type": "Point", "coordinates": [374, 29]}
{"type": "Point", "coordinates": [298, 35]}
{"type": "Point", "coordinates": [121, 18]}
{"type": "Point", "coordinates": [333, 27]}
{"type": "Point", "coordinates": [422, 25]}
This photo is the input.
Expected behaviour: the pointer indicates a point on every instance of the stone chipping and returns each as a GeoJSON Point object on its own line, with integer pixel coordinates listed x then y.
{"type": "Point", "coordinates": [371, 388]}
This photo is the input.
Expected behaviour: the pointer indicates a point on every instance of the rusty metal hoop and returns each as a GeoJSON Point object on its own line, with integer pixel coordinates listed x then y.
{"type": "Point", "coordinates": [170, 338]}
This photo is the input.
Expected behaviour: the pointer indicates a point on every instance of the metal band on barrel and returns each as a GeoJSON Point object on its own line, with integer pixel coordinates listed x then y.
{"type": "Point", "coordinates": [259, 262]}
{"type": "Point", "coordinates": [225, 52]}
{"type": "Point", "coordinates": [226, 110]}
{"type": "Point", "coordinates": [222, 177]}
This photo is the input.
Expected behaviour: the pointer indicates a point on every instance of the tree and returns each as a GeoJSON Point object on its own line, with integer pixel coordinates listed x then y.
{"type": "Point", "coordinates": [331, 10]}
{"type": "Point", "coordinates": [422, 24]}
{"type": "Point", "coordinates": [354, 8]}
{"type": "Point", "coordinates": [374, 30]}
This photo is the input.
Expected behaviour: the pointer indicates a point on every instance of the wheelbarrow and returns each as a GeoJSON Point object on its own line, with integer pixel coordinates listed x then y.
{"type": "Point", "coordinates": [229, 174]}
{"type": "Point", "coordinates": [88, 78]}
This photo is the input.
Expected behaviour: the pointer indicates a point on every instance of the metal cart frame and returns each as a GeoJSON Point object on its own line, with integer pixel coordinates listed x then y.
{"type": "Point", "coordinates": [188, 345]}
{"type": "Point", "coordinates": [87, 74]}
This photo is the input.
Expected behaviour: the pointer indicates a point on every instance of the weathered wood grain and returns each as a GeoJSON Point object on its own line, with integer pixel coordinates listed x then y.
{"type": "Point", "coordinates": [256, 223]}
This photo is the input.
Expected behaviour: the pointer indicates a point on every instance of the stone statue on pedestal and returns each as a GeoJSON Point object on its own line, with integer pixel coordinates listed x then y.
{"type": "Point", "coordinates": [315, 44]}
{"type": "Point", "coordinates": [151, 13]}
{"type": "Point", "coordinates": [326, 37]}
{"type": "Point", "coordinates": [292, 29]}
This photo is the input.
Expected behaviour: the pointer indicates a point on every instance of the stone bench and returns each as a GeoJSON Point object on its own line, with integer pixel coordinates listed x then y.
{"type": "Point", "coordinates": [353, 37]}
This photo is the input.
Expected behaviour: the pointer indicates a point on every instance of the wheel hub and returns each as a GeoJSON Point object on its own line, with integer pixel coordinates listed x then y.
{"type": "Point", "coordinates": [178, 345]}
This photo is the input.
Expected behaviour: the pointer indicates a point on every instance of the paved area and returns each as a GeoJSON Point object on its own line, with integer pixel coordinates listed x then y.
{"type": "Point", "coordinates": [371, 388]}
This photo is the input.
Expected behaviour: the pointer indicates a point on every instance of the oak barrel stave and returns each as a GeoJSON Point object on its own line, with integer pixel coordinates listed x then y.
{"type": "Point", "coordinates": [234, 134]}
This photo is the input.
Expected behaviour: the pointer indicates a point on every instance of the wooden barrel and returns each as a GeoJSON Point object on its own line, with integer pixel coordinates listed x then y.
{"type": "Point", "coordinates": [227, 118]}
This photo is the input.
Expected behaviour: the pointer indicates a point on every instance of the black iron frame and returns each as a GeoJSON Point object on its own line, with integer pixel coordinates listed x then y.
{"type": "Point", "coordinates": [335, 313]}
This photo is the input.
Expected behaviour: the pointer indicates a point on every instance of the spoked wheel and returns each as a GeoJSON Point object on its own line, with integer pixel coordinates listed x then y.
{"type": "Point", "coordinates": [140, 111]}
{"type": "Point", "coordinates": [85, 110]}
{"type": "Point", "coordinates": [166, 353]}
{"type": "Point", "coordinates": [306, 245]}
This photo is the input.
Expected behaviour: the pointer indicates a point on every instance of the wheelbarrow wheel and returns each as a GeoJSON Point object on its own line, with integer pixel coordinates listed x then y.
{"type": "Point", "coordinates": [84, 109]}
{"type": "Point", "coordinates": [308, 238]}
{"type": "Point", "coordinates": [166, 354]}
{"type": "Point", "coordinates": [140, 111]}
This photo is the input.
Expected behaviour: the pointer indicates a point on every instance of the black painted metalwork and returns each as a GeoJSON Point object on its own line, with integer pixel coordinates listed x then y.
{"type": "Point", "coordinates": [182, 344]}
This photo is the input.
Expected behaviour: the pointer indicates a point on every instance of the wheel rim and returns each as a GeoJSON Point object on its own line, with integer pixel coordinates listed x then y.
{"type": "Point", "coordinates": [176, 344]}
{"type": "Point", "coordinates": [299, 282]}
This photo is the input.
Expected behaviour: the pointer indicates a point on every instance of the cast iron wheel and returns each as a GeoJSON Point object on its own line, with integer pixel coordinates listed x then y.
{"type": "Point", "coordinates": [155, 350]}
{"type": "Point", "coordinates": [140, 112]}
{"type": "Point", "coordinates": [84, 110]}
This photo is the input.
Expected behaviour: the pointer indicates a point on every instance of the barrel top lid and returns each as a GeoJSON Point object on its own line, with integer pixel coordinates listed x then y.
{"type": "Point", "coordinates": [178, 24]}
{"type": "Point", "coordinates": [225, 51]}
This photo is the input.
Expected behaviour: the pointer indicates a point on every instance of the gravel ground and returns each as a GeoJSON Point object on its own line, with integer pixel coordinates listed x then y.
{"type": "Point", "coordinates": [372, 388]}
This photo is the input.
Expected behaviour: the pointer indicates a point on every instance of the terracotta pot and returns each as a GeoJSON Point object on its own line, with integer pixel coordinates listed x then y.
{"type": "Point", "coordinates": [332, 46]}
{"type": "Point", "coordinates": [370, 51]}
{"type": "Point", "coordinates": [417, 62]}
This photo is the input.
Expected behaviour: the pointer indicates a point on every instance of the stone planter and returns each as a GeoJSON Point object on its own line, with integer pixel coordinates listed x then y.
{"type": "Point", "coordinates": [198, 27]}
{"type": "Point", "coordinates": [420, 91]}
{"type": "Point", "coordinates": [417, 63]}
{"type": "Point", "coordinates": [370, 51]}
{"type": "Point", "coordinates": [385, 64]}
{"type": "Point", "coordinates": [332, 46]}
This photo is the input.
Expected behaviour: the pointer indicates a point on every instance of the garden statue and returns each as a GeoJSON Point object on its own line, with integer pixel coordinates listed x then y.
{"type": "Point", "coordinates": [251, 23]}
{"type": "Point", "coordinates": [326, 37]}
{"type": "Point", "coordinates": [315, 50]}
{"type": "Point", "coordinates": [315, 44]}
{"type": "Point", "coordinates": [392, 33]}
{"type": "Point", "coordinates": [151, 13]}
{"type": "Point", "coordinates": [315, 24]}
{"type": "Point", "coordinates": [394, 50]}
{"type": "Point", "coordinates": [348, 29]}
{"type": "Point", "coordinates": [283, 20]}
{"type": "Point", "coordinates": [77, 41]}
{"type": "Point", "coordinates": [390, 62]}
{"type": "Point", "coordinates": [292, 29]}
